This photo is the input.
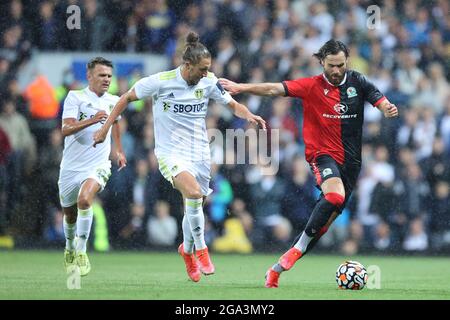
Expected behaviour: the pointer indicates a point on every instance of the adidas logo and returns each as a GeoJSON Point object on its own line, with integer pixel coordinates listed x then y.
{"type": "Point", "coordinates": [171, 95]}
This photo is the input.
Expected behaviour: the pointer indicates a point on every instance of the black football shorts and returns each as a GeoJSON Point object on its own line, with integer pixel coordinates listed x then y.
{"type": "Point", "coordinates": [325, 167]}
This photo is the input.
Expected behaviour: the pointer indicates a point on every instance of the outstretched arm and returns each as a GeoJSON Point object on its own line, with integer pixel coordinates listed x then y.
{"type": "Point", "coordinates": [260, 89]}
{"type": "Point", "coordinates": [120, 106]}
{"type": "Point", "coordinates": [242, 112]}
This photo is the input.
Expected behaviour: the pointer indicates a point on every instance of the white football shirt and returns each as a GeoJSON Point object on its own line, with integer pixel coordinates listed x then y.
{"type": "Point", "coordinates": [179, 112]}
{"type": "Point", "coordinates": [79, 154]}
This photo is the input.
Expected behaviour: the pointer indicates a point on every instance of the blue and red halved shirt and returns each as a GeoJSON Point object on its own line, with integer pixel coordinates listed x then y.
{"type": "Point", "coordinates": [333, 115]}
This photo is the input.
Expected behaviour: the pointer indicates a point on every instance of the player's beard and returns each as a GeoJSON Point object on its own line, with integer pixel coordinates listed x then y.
{"type": "Point", "coordinates": [334, 79]}
{"type": "Point", "coordinates": [195, 81]}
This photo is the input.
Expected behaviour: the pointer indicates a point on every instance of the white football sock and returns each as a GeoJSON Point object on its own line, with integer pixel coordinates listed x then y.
{"type": "Point", "coordinates": [303, 242]}
{"type": "Point", "coordinates": [70, 230]}
{"type": "Point", "coordinates": [194, 212]}
{"type": "Point", "coordinates": [277, 268]}
{"type": "Point", "coordinates": [188, 239]}
{"type": "Point", "coordinates": [84, 223]}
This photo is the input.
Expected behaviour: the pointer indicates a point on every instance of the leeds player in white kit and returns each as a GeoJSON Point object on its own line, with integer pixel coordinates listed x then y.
{"type": "Point", "coordinates": [85, 170]}
{"type": "Point", "coordinates": [180, 102]}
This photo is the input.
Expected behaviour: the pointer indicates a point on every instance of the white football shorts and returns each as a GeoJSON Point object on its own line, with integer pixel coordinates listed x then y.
{"type": "Point", "coordinates": [201, 170]}
{"type": "Point", "coordinates": [70, 182]}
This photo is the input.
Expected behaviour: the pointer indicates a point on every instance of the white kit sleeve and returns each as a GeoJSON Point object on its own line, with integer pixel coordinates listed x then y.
{"type": "Point", "coordinates": [218, 93]}
{"type": "Point", "coordinates": [71, 105]}
{"type": "Point", "coordinates": [146, 87]}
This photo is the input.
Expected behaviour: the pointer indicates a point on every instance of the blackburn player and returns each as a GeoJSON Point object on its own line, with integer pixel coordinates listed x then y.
{"type": "Point", "coordinates": [84, 170]}
{"type": "Point", "coordinates": [180, 101]}
{"type": "Point", "coordinates": [333, 113]}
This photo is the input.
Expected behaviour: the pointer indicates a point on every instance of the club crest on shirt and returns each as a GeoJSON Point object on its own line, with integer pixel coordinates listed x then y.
{"type": "Point", "coordinates": [198, 93]}
{"type": "Point", "coordinates": [351, 92]}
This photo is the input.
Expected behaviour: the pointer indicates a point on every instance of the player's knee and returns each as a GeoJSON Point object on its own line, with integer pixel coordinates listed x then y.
{"type": "Point", "coordinates": [70, 218]}
{"type": "Point", "coordinates": [194, 193]}
{"type": "Point", "coordinates": [335, 199]}
{"type": "Point", "coordinates": [84, 202]}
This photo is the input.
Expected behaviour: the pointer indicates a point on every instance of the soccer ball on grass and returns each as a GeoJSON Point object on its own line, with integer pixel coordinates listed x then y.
{"type": "Point", "coordinates": [351, 275]}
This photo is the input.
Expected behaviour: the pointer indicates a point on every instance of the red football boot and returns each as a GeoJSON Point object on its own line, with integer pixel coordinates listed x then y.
{"type": "Point", "coordinates": [191, 264]}
{"type": "Point", "coordinates": [288, 259]}
{"type": "Point", "coordinates": [272, 278]}
{"type": "Point", "coordinates": [204, 262]}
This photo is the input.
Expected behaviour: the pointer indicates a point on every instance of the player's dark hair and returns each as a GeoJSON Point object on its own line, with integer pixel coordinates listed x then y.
{"type": "Point", "coordinates": [195, 51]}
{"type": "Point", "coordinates": [99, 60]}
{"type": "Point", "coordinates": [331, 47]}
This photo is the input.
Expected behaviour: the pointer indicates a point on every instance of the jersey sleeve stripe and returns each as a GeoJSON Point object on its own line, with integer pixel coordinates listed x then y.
{"type": "Point", "coordinates": [168, 75]}
{"type": "Point", "coordinates": [379, 101]}
{"type": "Point", "coordinates": [286, 91]}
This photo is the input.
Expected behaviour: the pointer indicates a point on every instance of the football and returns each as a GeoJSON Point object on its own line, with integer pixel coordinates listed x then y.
{"type": "Point", "coordinates": [351, 275]}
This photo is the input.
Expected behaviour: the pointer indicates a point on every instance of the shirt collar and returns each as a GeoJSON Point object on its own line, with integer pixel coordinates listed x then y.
{"type": "Point", "coordinates": [340, 84]}
{"type": "Point", "coordinates": [92, 93]}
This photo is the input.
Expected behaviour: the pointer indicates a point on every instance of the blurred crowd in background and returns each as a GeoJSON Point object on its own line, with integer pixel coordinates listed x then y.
{"type": "Point", "coordinates": [402, 199]}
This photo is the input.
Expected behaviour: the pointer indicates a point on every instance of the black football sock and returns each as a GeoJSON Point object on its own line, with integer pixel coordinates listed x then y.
{"type": "Point", "coordinates": [319, 217]}
{"type": "Point", "coordinates": [315, 226]}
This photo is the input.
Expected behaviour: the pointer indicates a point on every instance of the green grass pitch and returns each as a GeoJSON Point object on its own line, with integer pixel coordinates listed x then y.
{"type": "Point", "coordinates": [161, 276]}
